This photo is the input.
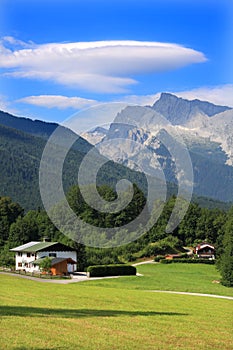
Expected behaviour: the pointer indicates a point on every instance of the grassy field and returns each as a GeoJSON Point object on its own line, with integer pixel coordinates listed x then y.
{"type": "Point", "coordinates": [198, 278]}
{"type": "Point", "coordinates": [115, 314]}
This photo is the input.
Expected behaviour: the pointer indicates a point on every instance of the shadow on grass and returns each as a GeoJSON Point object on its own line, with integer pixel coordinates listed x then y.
{"type": "Point", "coordinates": [23, 348]}
{"type": "Point", "coordinates": [25, 311]}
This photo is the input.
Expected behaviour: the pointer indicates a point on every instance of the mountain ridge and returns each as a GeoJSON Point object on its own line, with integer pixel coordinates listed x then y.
{"type": "Point", "coordinates": [203, 127]}
{"type": "Point", "coordinates": [212, 174]}
{"type": "Point", "coordinates": [178, 110]}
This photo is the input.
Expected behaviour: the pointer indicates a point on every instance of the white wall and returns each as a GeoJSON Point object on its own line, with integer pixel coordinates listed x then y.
{"type": "Point", "coordinates": [26, 260]}
{"type": "Point", "coordinates": [72, 254]}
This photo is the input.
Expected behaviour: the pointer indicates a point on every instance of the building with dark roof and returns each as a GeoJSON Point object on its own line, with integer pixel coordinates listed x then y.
{"type": "Point", "coordinates": [205, 250]}
{"type": "Point", "coordinates": [29, 256]}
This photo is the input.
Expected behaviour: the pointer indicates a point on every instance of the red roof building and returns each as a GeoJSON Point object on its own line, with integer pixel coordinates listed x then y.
{"type": "Point", "coordinates": [205, 251]}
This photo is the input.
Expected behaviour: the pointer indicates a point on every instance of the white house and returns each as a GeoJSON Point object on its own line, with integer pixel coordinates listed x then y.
{"type": "Point", "coordinates": [205, 250]}
{"type": "Point", "coordinates": [63, 258]}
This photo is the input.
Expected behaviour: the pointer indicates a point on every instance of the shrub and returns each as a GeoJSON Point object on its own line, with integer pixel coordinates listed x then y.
{"type": "Point", "coordinates": [128, 257]}
{"type": "Point", "coordinates": [111, 270]}
{"type": "Point", "coordinates": [45, 264]}
{"type": "Point", "coordinates": [158, 258]}
{"type": "Point", "coordinates": [188, 261]}
{"type": "Point", "coordinates": [194, 261]}
{"type": "Point", "coordinates": [157, 248]}
{"type": "Point", "coordinates": [166, 261]}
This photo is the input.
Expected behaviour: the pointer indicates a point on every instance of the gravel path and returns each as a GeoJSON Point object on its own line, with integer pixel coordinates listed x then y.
{"type": "Point", "coordinates": [75, 279]}
{"type": "Point", "coordinates": [144, 262]}
{"type": "Point", "coordinates": [195, 294]}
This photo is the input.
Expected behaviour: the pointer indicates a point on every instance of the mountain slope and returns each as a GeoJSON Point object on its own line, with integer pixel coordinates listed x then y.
{"type": "Point", "coordinates": [20, 156]}
{"type": "Point", "coordinates": [205, 128]}
{"type": "Point", "coordinates": [19, 159]}
{"type": "Point", "coordinates": [39, 128]}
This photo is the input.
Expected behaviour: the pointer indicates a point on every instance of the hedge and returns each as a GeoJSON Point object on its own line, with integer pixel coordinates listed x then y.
{"type": "Point", "coordinates": [158, 258]}
{"type": "Point", "coordinates": [111, 270]}
{"type": "Point", "coordinates": [188, 261]}
{"type": "Point", "coordinates": [165, 261]}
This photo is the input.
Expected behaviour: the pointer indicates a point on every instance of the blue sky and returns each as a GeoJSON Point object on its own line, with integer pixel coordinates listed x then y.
{"type": "Point", "coordinates": [58, 56]}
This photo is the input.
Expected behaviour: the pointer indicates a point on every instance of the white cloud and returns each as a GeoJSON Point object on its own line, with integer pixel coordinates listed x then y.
{"type": "Point", "coordinates": [56, 101]}
{"type": "Point", "coordinates": [11, 41]}
{"type": "Point", "coordinates": [87, 119]}
{"type": "Point", "coordinates": [102, 66]}
{"type": "Point", "coordinates": [5, 105]}
{"type": "Point", "coordinates": [220, 95]}
{"type": "Point", "coordinates": [141, 100]}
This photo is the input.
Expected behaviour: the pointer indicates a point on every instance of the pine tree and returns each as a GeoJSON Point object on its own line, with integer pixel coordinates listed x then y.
{"type": "Point", "coordinates": [226, 259]}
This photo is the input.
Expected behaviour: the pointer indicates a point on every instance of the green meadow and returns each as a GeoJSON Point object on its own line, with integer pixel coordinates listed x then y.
{"type": "Point", "coordinates": [118, 313]}
{"type": "Point", "coordinates": [195, 278]}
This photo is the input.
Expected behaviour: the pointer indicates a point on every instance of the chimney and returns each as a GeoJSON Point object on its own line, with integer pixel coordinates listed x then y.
{"type": "Point", "coordinates": [45, 239]}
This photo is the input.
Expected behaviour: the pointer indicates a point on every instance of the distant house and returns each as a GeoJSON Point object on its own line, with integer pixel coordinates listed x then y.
{"type": "Point", "coordinates": [28, 257]}
{"type": "Point", "coordinates": [205, 250]}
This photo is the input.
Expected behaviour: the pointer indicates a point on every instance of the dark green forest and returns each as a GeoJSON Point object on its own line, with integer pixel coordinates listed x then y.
{"type": "Point", "coordinates": [199, 224]}
{"type": "Point", "coordinates": [20, 156]}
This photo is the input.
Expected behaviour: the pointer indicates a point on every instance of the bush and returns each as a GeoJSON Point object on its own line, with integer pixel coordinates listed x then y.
{"type": "Point", "coordinates": [166, 261]}
{"type": "Point", "coordinates": [188, 261]}
{"type": "Point", "coordinates": [158, 258]}
{"type": "Point", "coordinates": [111, 270]}
{"type": "Point", "coordinates": [45, 264]}
{"type": "Point", "coordinates": [128, 257]}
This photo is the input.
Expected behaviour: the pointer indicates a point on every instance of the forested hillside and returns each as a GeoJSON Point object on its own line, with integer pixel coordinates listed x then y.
{"type": "Point", "coordinates": [199, 224]}
{"type": "Point", "coordinates": [20, 155]}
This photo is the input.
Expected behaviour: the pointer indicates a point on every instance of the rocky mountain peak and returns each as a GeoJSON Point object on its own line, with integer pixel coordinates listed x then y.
{"type": "Point", "coordinates": [179, 111]}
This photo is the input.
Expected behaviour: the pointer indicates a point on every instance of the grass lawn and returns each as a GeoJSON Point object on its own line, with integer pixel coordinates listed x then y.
{"type": "Point", "coordinates": [113, 314]}
{"type": "Point", "coordinates": [197, 278]}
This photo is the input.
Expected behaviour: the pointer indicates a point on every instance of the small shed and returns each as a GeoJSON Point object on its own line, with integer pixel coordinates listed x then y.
{"type": "Point", "coordinates": [59, 266]}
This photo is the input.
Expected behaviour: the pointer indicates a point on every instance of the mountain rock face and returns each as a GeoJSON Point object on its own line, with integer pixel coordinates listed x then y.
{"type": "Point", "coordinates": [178, 110]}
{"type": "Point", "coordinates": [203, 128]}
{"type": "Point", "coordinates": [95, 136]}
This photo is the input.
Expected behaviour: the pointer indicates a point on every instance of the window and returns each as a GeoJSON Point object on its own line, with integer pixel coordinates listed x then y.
{"type": "Point", "coordinates": [28, 255]}
{"type": "Point", "coordinates": [54, 255]}
{"type": "Point", "coordinates": [19, 264]}
{"type": "Point", "coordinates": [26, 264]}
{"type": "Point", "coordinates": [20, 254]}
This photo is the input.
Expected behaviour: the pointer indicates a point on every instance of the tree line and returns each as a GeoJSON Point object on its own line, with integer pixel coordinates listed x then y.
{"type": "Point", "coordinates": [199, 224]}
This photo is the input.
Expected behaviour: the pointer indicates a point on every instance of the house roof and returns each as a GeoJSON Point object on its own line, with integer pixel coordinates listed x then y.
{"type": "Point", "coordinates": [204, 245]}
{"type": "Point", "coordinates": [33, 247]}
{"type": "Point", "coordinates": [23, 246]}
{"type": "Point", "coordinates": [54, 261]}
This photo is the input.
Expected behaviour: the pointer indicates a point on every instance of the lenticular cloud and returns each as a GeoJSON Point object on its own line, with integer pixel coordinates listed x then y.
{"type": "Point", "coordinates": [102, 66]}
